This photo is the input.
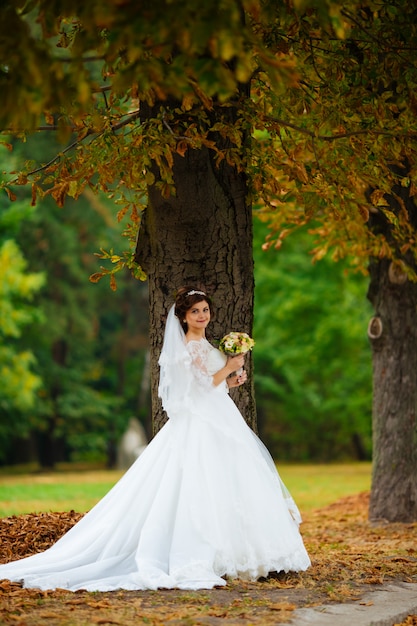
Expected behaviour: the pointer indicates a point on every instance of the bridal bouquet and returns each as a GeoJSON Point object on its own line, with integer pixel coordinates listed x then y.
{"type": "Point", "coordinates": [236, 343]}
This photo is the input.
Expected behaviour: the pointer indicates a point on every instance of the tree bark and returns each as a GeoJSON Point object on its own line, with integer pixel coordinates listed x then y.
{"type": "Point", "coordinates": [201, 237]}
{"type": "Point", "coordinates": [393, 336]}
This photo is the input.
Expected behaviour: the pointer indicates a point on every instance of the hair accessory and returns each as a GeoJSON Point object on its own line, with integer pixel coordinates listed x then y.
{"type": "Point", "coordinates": [194, 293]}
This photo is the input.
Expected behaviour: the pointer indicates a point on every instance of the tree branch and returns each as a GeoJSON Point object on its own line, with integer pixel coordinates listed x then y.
{"type": "Point", "coordinates": [56, 158]}
{"type": "Point", "coordinates": [114, 127]}
{"type": "Point", "coordinates": [354, 133]}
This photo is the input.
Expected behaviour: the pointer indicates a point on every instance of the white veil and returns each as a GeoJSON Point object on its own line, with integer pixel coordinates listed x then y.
{"type": "Point", "coordinates": [175, 368]}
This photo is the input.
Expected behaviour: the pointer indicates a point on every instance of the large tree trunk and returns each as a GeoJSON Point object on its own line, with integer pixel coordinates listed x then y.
{"type": "Point", "coordinates": [202, 237]}
{"type": "Point", "coordinates": [393, 336]}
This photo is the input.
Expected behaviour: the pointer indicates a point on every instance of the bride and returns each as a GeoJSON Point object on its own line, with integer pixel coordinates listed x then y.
{"type": "Point", "coordinates": [204, 501]}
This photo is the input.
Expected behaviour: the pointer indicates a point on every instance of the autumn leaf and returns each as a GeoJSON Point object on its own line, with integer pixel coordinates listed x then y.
{"type": "Point", "coordinates": [282, 606]}
{"type": "Point", "coordinates": [34, 193]}
{"type": "Point", "coordinates": [122, 213]}
{"type": "Point", "coordinates": [12, 196]}
{"type": "Point", "coordinates": [182, 147]}
{"type": "Point", "coordinates": [113, 283]}
{"type": "Point", "coordinates": [94, 278]}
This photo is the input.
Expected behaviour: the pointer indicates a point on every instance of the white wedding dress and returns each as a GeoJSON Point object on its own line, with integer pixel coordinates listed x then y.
{"type": "Point", "coordinates": [203, 501]}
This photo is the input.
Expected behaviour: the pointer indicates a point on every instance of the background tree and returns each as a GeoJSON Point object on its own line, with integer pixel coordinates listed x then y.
{"type": "Point", "coordinates": [326, 95]}
{"type": "Point", "coordinates": [313, 371]}
{"type": "Point", "coordinates": [87, 350]}
{"type": "Point", "coordinates": [19, 379]}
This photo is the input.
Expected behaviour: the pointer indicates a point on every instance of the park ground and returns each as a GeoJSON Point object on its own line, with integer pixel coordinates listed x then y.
{"type": "Point", "coordinates": [349, 557]}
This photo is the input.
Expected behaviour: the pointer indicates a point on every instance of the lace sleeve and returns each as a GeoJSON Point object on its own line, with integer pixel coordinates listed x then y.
{"type": "Point", "coordinates": [199, 352]}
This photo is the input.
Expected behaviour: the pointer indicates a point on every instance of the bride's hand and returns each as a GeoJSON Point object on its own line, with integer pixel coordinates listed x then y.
{"type": "Point", "coordinates": [235, 363]}
{"type": "Point", "coordinates": [239, 379]}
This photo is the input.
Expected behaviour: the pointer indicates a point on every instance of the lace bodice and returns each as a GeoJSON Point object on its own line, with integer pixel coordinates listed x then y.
{"type": "Point", "coordinates": [206, 361]}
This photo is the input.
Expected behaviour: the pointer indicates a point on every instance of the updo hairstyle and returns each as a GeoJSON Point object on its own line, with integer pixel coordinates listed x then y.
{"type": "Point", "coordinates": [185, 299]}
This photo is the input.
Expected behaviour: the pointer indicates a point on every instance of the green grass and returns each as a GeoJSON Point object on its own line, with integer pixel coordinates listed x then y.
{"type": "Point", "coordinates": [55, 491]}
{"type": "Point", "coordinates": [312, 487]}
{"type": "Point", "coordinates": [315, 486]}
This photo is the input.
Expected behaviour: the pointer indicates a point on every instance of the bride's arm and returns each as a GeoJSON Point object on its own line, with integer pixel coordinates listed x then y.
{"type": "Point", "coordinates": [232, 365]}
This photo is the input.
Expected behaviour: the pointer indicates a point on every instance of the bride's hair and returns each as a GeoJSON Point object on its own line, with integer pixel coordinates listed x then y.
{"type": "Point", "coordinates": [187, 297]}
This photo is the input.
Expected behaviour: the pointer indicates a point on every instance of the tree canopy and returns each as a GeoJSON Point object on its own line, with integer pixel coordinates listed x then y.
{"type": "Point", "coordinates": [331, 112]}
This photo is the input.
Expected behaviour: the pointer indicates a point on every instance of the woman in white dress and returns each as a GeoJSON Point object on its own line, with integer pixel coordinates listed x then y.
{"type": "Point", "coordinates": [203, 502]}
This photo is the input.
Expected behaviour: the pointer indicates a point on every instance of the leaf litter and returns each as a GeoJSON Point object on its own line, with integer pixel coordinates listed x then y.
{"type": "Point", "coordinates": [349, 557]}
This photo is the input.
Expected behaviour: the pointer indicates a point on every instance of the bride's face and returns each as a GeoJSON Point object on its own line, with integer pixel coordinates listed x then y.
{"type": "Point", "coordinates": [198, 316]}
